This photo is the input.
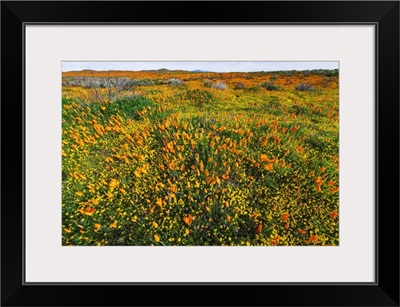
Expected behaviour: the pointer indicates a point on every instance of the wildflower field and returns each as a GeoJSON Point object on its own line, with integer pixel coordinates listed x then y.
{"type": "Point", "coordinates": [200, 158]}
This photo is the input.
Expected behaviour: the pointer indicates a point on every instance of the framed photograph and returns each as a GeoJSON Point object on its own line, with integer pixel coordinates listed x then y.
{"type": "Point", "coordinates": [177, 153]}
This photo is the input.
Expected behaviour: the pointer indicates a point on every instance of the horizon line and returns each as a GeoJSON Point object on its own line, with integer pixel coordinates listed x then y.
{"type": "Point", "coordinates": [198, 70]}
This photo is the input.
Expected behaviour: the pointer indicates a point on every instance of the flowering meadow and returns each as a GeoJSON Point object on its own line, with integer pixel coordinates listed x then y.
{"type": "Point", "coordinates": [200, 159]}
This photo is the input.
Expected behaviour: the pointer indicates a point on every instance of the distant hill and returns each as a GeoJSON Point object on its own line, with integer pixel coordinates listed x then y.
{"type": "Point", "coordinates": [156, 73]}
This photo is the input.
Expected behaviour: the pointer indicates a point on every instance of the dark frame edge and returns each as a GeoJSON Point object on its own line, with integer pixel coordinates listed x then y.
{"type": "Point", "coordinates": [388, 87]}
{"type": "Point", "coordinates": [10, 287]}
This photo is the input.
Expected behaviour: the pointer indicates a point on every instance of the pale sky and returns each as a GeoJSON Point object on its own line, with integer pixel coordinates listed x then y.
{"type": "Point", "coordinates": [216, 66]}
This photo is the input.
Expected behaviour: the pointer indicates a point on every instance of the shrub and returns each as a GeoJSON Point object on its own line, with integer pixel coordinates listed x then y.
{"type": "Point", "coordinates": [142, 82]}
{"type": "Point", "coordinates": [220, 86]}
{"type": "Point", "coordinates": [332, 73]}
{"type": "Point", "coordinates": [207, 83]}
{"type": "Point", "coordinates": [326, 81]}
{"type": "Point", "coordinates": [175, 82]}
{"type": "Point", "coordinates": [160, 82]}
{"type": "Point", "coordinates": [239, 86]}
{"type": "Point", "coordinates": [270, 86]}
{"type": "Point", "coordinates": [304, 87]}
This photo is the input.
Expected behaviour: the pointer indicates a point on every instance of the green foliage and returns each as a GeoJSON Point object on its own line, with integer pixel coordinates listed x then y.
{"type": "Point", "coordinates": [253, 89]}
{"type": "Point", "coordinates": [128, 107]}
{"type": "Point", "coordinates": [304, 87]}
{"type": "Point", "coordinates": [198, 97]}
{"type": "Point", "coordinates": [202, 167]}
{"type": "Point", "coordinates": [239, 86]}
{"type": "Point", "coordinates": [207, 83]}
{"type": "Point", "coordinates": [270, 86]}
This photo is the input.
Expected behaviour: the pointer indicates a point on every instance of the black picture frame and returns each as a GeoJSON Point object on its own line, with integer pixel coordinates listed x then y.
{"type": "Point", "coordinates": [383, 14]}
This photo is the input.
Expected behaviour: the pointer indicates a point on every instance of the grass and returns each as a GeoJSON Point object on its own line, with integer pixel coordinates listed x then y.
{"type": "Point", "coordinates": [194, 165]}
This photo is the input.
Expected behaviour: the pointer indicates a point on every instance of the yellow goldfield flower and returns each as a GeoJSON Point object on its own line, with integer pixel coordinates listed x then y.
{"type": "Point", "coordinates": [74, 175]}
{"type": "Point", "coordinates": [156, 238]}
{"type": "Point", "coordinates": [110, 195]}
{"type": "Point", "coordinates": [155, 225]}
{"type": "Point", "coordinates": [83, 177]}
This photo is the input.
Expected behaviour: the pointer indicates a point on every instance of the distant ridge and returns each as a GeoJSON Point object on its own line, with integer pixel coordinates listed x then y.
{"type": "Point", "coordinates": [162, 70]}
{"type": "Point", "coordinates": [167, 71]}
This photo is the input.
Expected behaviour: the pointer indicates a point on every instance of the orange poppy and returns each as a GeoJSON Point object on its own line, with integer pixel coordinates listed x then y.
{"type": "Point", "coordinates": [188, 219]}
{"type": "Point", "coordinates": [301, 231]}
{"type": "Point", "coordinates": [285, 217]}
{"type": "Point", "coordinates": [174, 189]}
{"type": "Point", "coordinates": [269, 166]}
{"type": "Point", "coordinates": [335, 189]}
{"type": "Point", "coordinates": [225, 176]}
